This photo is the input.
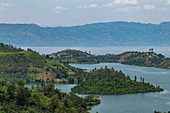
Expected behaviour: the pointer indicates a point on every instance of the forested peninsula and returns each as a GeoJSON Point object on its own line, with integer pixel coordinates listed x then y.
{"type": "Point", "coordinates": [110, 81]}
{"type": "Point", "coordinates": [148, 59]}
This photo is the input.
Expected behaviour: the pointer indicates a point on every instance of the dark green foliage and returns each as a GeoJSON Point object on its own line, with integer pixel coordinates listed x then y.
{"type": "Point", "coordinates": [92, 100]}
{"type": "Point", "coordinates": [16, 99]}
{"type": "Point", "coordinates": [109, 81]}
{"type": "Point", "coordinates": [21, 83]}
{"type": "Point", "coordinates": [22, 96]}
{"type": "Point", "coordinates": [161, 112]}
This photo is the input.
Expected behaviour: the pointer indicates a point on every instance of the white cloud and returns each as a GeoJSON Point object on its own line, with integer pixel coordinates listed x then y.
{"type": "Point", "coordinates": [4, 6]}
{"type": "Point", "coordinates": [128, 9]}
{"type": "Point", "coordinates": [122, 2]}
{"type": "Point", "coordinates": [149, 7]}
{"type": "Point", "coordinates": [168, 2]}
{"type": "Point", "coordinates": [59, 9]}
{"type": "Point", "coordinates": [88, 6]}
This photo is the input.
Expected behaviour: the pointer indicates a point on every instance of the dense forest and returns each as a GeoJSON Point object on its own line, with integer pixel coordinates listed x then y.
{"type": "Point", "coordinates": [43, 99]}
{"type": "Point", "coordinates": [30, 66]}
{"type": "Point", "coordinates": [149, 59]}
{"type": "Point", "coordinates": [110, 81]}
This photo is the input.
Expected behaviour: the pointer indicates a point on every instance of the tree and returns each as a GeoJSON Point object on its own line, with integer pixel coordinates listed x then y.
{"type": "Point", "coordinates": [143, 80]}
{"type": "Point", "coordinates": [22, 96]}
{"type": "Point", "coordinates": [135, 78]}
{"type": "Point", "coordinates": [21, 83]}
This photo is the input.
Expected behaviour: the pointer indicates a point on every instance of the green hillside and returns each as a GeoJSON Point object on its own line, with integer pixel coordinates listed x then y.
{"type": "Point", "coordinates": [145, 59]}
{"type": "Point", "coordinates": [74, 56]}
{"type": "Point", "coordinates": [31, 66]}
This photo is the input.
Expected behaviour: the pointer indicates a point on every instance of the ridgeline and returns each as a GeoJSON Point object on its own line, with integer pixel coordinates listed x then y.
{"type": "Point", "coordinates": [148, 59]}
{"type": "Point", "coordinates": [97, 34]}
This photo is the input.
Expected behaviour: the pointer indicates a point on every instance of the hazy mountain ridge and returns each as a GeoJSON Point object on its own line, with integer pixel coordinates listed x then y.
{"type": "Point", "coordinates": [98, 34]}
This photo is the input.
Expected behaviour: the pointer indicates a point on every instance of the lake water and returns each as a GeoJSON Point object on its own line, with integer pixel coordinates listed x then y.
{"type": "Point", "coordinates": [135, 103]}
{"type": "Point", "coordinates": [129, 103]}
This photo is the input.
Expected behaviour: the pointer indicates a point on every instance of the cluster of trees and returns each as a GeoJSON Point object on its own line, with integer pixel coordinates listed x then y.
{"type": "Point", "coordinates": [161, 112]}
{"type": "Point", "coordinates": [9, 48]}
{"type": "Point", "coordinates": [44, 99]}
{"type": "Point", "coordinates": [110, 81]}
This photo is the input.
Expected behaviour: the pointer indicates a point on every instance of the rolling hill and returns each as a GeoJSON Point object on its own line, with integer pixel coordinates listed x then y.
{"type": "Point", "coordinates": [98, 34]}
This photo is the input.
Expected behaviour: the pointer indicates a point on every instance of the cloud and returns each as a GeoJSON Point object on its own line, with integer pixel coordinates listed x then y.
{"type": "Point", "coordinates": [128, 9]}
{"type": "Point", "coordinates": [121, 2]}
{"type": "Point", "coordinates": [168, 2]}
{"type": "Point", "coordinates": [59, 9]}
{"type": "Point", "coordinates": [4, 6]}
{"type": "Point", "coordinates": [88, 6]}
{"type": "Point", "coordinates": [149, 7]}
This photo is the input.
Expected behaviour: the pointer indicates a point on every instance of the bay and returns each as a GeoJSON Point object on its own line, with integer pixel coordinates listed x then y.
{"type": "Point", "coordinates": [129, 103]}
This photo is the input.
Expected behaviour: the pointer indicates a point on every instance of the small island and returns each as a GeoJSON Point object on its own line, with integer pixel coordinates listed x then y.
{"type": "Point", "coordinates": [110, 81]}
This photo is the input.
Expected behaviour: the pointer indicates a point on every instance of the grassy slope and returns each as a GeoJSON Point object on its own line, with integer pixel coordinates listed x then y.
{"type": "Point", "coordinates": [17, 64]}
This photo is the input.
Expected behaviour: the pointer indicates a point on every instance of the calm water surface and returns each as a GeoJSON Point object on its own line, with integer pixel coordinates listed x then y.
{"type": "Point", "coordinates": [129, 103]}
{"type": "Point", "coordinates": [135, 103]}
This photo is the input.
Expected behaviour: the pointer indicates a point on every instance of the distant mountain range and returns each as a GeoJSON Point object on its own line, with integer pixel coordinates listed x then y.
{"type": "Point", "coordinates": [98, 34]}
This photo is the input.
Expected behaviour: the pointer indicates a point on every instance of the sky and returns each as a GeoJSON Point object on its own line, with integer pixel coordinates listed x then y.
{"type": "Point", "coordinates": [80, 12]}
